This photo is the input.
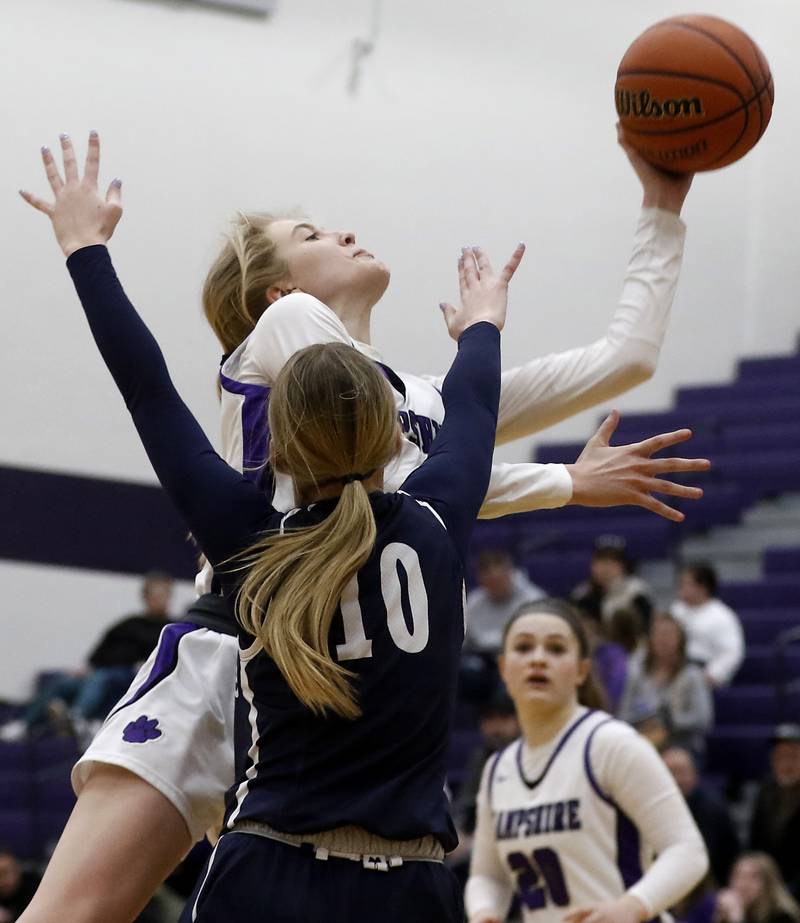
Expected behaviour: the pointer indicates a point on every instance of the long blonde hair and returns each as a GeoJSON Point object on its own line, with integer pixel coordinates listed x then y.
{"type": "Point", "coordinates": [235, 290]}
{"type": "Point", "coordinates": [774, 894]}
{"type": "Point", "coordinates": [332, 419]}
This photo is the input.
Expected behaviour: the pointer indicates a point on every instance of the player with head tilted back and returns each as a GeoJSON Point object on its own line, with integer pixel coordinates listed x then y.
{"type": "Point", "coordinates": [350, 607]}
{"type": "Point", "coordinates": [181, 775]}
{"type": "Point", "coordinates": [571, 815]}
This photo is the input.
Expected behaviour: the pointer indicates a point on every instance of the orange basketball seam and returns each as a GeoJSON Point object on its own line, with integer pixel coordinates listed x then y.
{"type": "Point", "coordinates": [714, 38]}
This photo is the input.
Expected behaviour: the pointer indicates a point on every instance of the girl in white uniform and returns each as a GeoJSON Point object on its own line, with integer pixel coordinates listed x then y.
{"type": "Point", "coordinates": [572, 815]}
{"type": "Point", "coordinates": [188, 764]}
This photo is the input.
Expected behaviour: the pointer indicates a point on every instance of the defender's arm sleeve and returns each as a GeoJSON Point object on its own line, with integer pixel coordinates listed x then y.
{"type": "Point", "coordinates": [455, 475]}
{"type": "Point", "coordinates": [218, 505]}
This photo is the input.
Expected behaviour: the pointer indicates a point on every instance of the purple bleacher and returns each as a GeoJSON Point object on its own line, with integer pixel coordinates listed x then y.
{"type": "Point", "coordinates": [768, 594]}
{"type": "Point", "coordinates": [721, 504]}
{"type": "Point", "coordinates": [740, 751]}
{"type": "Point", "coordinates": [49, 752]}
{"type": "Point", "coordinates": [18, 833]}
{"type": "Point", "coordinates": [14, 757]}
{"type": "Point", "coordinates": [745, 436]}
{"type": "Point", "coordinates": [557, 572]}
{"type": "Point", "coordinates": [738, 705]}
{"type": "Point", "coordinates": [762, 389]}
{"type": "Point", "coordinates": [782, 561]}
{"type": "Point", "coordinates": [760, 665]}
{"type": "Point", "coordinates": [769, 472]}
{"type": "Point", "coordinates": [762, 625]}
{"type": "Point", "coordinates": [15, 790]}
{"type": "Point", "coordinates": [768, 367]}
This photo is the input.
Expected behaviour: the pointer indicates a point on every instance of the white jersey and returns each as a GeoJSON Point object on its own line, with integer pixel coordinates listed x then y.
{"type": "Point", "coordinates": [533, 396]}
{"type": "Point", "coordinates": [174, 726]}
{"type": "Point", "coordinates": [576, 822]}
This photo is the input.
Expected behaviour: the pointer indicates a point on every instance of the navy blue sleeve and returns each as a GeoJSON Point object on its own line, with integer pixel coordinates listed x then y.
{"type": "Point", "coordinates": [455, 476]}
{"type": "Point", "coordinates": [220, 507]}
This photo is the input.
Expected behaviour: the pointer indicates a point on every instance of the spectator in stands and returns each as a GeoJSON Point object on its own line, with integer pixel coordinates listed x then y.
{"type": "Point", "coordinates": [662, 680]}
{"type": "Point", "coordinates": [708, 809]}
{"type": "Point", "coordinates": [498, 726]}
{"type": "Point", "coordinates": [17, 886]}
{"type": "Point", "coordinates": [612, 584]}
{"type": "Point", "coordinates": [502, 589]}
{"type": "Point", "coordinates": [713, 630]}
{"type": "Point", "coordinates": [609, 661]}
{"type": "Point", "coordinates": [92, 692]}
{"type": "Point", "coordinates": [756, 894]}
{"type": "Point", "coordinates": [775, 825]}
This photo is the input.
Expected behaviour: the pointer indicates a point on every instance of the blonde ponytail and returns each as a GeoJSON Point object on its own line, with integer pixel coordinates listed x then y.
{"type": "Point", "coordinates": [332, 418]}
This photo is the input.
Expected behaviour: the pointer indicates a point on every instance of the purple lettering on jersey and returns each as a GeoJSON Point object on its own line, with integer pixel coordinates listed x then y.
{"type": "Point", "coordinates": [141, 730]}
{"type": "Point", "coordinates": [255, 427]}
{"type": "Point", "coordinates": [558, 818]}
{"type": "Point", "coordinates": [573, 814]}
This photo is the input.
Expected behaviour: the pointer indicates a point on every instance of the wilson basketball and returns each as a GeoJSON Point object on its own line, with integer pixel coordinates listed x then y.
{"type": "Point", "coordinates": [694, 93]}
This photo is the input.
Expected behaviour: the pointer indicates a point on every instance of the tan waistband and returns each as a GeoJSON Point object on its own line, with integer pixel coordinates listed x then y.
{"type": "Point", "coordinates": [351, 842]}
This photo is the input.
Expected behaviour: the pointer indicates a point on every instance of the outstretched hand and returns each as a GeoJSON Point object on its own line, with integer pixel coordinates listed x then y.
{"type": "Point", "coordinates": [80, 215]}
{"type": "Point", "coordinates": [662, 189]}
{"type": "Point", "coordinates": [606, 475]}
{"type": "Point", "coordinates": [484, 295]}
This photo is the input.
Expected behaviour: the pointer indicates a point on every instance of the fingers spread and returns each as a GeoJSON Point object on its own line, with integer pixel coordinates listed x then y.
{"type": "Point", "coordinates": [470, 269]}
{"type": "Point", "coordinates": [70, 164]}
{"type": "Point", "coordinates": [92, 159]}
{"type": "Point", "coordinates": [671, 465]}
{"type": "Point", "coordinates": [606, 429]}
{"type": "Point", "coordinates": [37, 203]}
{"type": "Point", "coordinates": [114, 194]}
{"type": "Point", "coordinates": [660, 486]}
{"type": "Point", "coordinates": [481, 259]}
{"type": "Point", "coordinates": [462, 275]}
{"type": "Point", "coordinates": [511, 266]}
{"type": "Point", "coordinates": [53, 176]}
{"type": "Point", "coordinates": [659, 508]}
{"type": "Point", "coordinates": [663, 441]}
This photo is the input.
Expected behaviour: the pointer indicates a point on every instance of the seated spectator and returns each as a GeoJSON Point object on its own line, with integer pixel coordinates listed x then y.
{"type": "Point", "coordinates": [17, 886]}
{"type": "Point", "coordinates": [112, 664]}
{"type": "Point", "coordinates": [498, 725]}
{"type": "Point", "coordinates": [709, 811]}
{"type": "Point", "coordinates": [775, 825]}
{"type": "Point", "coordinates": [609, 662]}
{"type": "Point", "coordinates": [756, 894]}
{"type": "Point", "coordinates": [502, 589]}
{"type": "Point", "coordinates": [714, 633]}
{"type": "Point", "coordinates": [612, 584]}
{"type": "Point", "coordinates": [663, 681]}
{"type": "Point", "coordinates": [625, 629]}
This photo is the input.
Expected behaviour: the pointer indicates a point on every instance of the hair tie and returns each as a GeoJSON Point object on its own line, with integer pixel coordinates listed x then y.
{"type": "Point", "coordinates": [349, 478]}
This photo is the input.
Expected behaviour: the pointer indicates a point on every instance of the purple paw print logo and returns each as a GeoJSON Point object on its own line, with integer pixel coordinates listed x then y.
{"type": "Point", "coordinates": [141, 730]}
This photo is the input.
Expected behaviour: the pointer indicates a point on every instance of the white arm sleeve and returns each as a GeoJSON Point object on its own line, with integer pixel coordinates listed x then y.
{"type": "Point", "coordinates": [730, 642]}
{"type": "Point", "coordinates": [634, 776]}
{"type": "Point", "coordinates": [291, 323]}
{"type": "Point", "coordinates": [518, 488]}
{"type": "Point", "coordinates": [489, 887]}
{"type": "Point", "coordinates": [552, 388]}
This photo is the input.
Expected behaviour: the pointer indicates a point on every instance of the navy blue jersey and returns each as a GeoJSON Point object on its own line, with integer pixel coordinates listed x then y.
{"type": "Point", "coordinates": [400, 624]}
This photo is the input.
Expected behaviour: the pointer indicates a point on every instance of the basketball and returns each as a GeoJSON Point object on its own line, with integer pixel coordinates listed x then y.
{"type": "Point", "coordinates": [694, 93]}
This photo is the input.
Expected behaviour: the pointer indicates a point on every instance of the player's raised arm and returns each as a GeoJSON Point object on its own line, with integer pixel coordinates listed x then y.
{"type": "Point", "coordinates": [214, 500]}
{"type": "Point", "coordinates": [456, 473]}
{"type": "Point", "coordinates": [548, 389]}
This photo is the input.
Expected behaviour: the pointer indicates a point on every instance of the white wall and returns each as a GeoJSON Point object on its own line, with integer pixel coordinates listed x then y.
{"type": "Point", "coordinates": [477, 122]}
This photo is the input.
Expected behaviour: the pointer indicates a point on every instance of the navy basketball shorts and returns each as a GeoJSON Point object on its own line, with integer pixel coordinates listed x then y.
{"type": "Point", "coordinates": [252, 879]}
